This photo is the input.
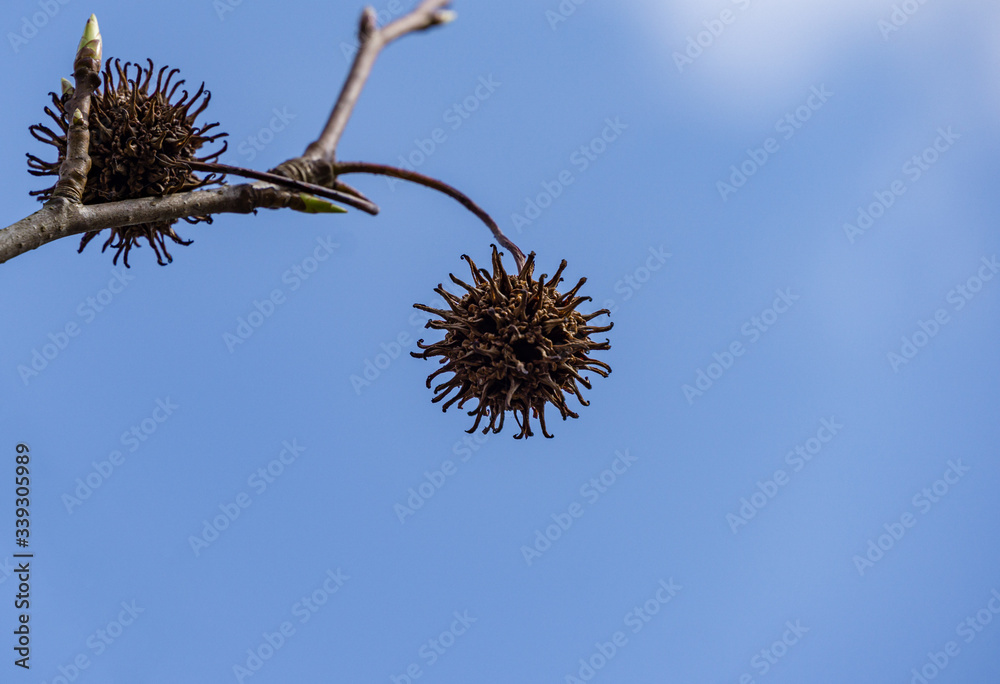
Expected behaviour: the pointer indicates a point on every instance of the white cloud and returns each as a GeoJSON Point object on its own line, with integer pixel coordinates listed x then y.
{"type": "Point", "coordinates": [768, 46]}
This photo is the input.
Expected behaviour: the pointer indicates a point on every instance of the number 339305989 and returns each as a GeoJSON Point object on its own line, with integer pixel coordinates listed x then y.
{"type": "Point", "coordinates": [23, 490]}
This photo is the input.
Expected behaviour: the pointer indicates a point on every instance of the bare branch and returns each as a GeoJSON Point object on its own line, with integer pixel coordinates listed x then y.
{"type": "Point", "coordinates": [371, 41]}
{"type": "Point", "coordinates": [59, 220]}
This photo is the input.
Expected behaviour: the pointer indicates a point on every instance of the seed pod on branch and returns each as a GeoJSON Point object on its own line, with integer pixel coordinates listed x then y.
{"type": "Point", "coordinates": [513, 343]}
{"type": "Point", "coordinates": [139, 138]}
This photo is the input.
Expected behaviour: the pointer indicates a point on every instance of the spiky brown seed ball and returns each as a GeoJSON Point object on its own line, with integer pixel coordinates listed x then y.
{"type": "Point", "coordinates": [137, 138]}
{"type": "Point", "coordinates": [513, 343]}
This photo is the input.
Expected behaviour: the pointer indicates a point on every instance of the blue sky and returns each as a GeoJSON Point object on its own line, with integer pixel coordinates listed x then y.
{"type": "Point", "coordinates": [790, 476]}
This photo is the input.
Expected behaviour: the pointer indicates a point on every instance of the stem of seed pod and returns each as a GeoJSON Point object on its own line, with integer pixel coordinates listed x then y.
{"type": "Point", "coordinates": [341, 168]}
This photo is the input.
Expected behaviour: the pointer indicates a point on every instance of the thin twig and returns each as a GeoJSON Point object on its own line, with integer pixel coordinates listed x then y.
{"type": "Point", "coordinates": [344, 187]}
{"type": "Point", "coordinates": [341, 168]}
{"type": "Point", "coordinates": [371, 40]}
{"type": "Point", "coordinates": [355, 201]}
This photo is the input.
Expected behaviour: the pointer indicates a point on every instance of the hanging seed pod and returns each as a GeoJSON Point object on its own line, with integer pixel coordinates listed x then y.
{"type": "Point", "coordinates": [513, 343]}
{"type": "Point", "coordinates": [138, 136]}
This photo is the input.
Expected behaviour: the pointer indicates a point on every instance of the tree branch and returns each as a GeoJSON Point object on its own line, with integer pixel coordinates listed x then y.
{"type": "Point", "coordinates": [61, 219]}
{"type": "Point", "coordinates": [371, 40]}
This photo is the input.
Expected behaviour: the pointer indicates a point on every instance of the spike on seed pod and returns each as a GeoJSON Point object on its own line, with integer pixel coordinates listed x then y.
{"type": "Point", "coordinates": [513, 343]}
{"type": "Point", "coordinates": [139, 138]}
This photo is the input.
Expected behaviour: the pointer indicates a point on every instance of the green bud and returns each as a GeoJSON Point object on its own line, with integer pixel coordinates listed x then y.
{"type": "Point", "coordinates": [92, 37]}
{"type": "Point", "coordinates": [314, 205]}
{"type": "Point", "coordinates": [67, 87]}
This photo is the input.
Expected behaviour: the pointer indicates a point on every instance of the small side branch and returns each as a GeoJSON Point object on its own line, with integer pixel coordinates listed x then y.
{"type": "Point", "coordinates": [87, 74]}
{"type": "Point", "coordinates": [371, 40]}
